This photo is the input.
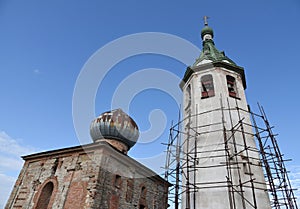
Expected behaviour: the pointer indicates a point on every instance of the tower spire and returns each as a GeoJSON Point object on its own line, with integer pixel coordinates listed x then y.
{"type": "Point", "coordinates": [206, 30]}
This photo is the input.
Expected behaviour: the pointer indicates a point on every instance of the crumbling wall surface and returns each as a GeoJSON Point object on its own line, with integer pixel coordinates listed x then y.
{"type": "Point", "coordinates": [100, 177]}
{"type": "Point", "coordinates": [123, 183]}
{"type": "Point", "coordinates": [73, 177]}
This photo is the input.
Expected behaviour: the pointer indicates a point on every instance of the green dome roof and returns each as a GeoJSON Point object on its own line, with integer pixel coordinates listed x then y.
{"type": "Point", "coordinates": [207, 30]}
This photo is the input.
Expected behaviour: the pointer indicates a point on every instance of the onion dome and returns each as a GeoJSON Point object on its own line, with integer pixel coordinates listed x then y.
{"type": "Point", "coordinates": [207, 31]}
{"type": "Point", "coordinates": [115, 127]}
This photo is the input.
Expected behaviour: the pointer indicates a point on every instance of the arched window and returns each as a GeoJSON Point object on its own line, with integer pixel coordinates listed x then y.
{"type": "Point", "coordinates": [45, 196]}
{"type": "Point", "coordinates": [207, 86]}
{"type": "Point", "coordinates": [231, 85]}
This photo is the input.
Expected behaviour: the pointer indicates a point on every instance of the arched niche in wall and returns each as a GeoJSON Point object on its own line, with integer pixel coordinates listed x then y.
{"type": "Point", "coordinates": [45, 196]}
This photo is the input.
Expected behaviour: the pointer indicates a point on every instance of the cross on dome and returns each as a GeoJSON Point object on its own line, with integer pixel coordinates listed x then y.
{"type": "Point", "coordinates": [205, 18]}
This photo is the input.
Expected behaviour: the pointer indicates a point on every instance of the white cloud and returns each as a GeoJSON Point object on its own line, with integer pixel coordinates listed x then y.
{"type": "Point", "coordinates": [6, 184]}
{"type": "Point", "coordinates": [36, 71]}
{"type": "Point", "coordinates": [12, 146]}
{"type": "Point", "coordinates": [11, 163]}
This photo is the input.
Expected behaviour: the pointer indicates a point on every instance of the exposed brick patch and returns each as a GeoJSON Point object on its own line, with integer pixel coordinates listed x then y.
{"type": "Point", "coordinates": [129, 190]}
{"type": "Point", "coordinates": [76, 195]}
{"type": "Point", "coordinates": [114, 202]}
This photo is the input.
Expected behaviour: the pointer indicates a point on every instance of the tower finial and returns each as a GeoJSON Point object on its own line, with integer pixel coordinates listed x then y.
{"type": "Point", "coordinates": [207, 31]}
{"type": "Point", "coordinates": [205, 18]}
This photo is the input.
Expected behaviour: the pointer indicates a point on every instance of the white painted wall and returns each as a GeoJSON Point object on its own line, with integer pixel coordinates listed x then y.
{"type": "Point", "coordinates": [210, 144]}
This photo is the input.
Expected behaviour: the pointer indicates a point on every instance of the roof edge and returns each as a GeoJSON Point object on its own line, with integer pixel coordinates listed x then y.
{"type": "Point", "coordinates": [191, 69]}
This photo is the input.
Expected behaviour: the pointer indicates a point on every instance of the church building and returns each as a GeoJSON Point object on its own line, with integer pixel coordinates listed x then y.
{"type": "Point", "coordinates": [98, 175]}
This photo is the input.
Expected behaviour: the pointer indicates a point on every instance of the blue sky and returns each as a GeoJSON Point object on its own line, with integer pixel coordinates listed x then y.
{"type": "Point", "coordinates": [45, 44]}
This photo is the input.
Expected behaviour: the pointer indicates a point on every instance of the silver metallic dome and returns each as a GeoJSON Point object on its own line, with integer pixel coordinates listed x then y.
{"type": "Point", "coordinates": [115, 125]}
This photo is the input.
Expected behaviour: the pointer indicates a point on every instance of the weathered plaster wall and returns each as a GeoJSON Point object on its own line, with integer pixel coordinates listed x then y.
{"type": "Point", "coordinates": [216, 116]}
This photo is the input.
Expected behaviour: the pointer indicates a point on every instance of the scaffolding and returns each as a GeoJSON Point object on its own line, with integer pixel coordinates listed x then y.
{"type": "Point", "coordinates": [183, 155]}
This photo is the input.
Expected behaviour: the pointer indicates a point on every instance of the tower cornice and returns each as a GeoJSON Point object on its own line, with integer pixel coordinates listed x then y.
{"type": "Point", "coordinates": [192, 69]}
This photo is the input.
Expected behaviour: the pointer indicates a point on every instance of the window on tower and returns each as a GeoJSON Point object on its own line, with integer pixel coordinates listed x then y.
{"type": "Point", "coordinates": [231, 85]}
{"type": "Point", "coordinates": [207, 86]}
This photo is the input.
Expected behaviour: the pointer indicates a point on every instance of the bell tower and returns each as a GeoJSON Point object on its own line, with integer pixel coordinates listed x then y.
{"type": "Point", "coordinates": [221, 164]}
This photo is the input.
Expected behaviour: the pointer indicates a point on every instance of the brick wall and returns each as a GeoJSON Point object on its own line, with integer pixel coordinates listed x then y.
{"type": "Point", "coordinates": [98, 177]}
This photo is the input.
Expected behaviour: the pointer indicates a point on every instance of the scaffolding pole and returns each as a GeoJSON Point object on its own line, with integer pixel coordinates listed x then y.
{"type": "Point", "coordinates": [182, 159]}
